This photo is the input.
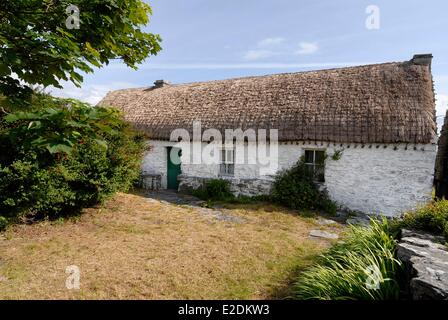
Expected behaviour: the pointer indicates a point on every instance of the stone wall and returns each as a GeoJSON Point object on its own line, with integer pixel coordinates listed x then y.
{"type": "Point", "coordinates": [426, 265]}
{"type": "Point", "coordinates": [386, 179]}
{"type": "Point", "coordinates": [243, 187]}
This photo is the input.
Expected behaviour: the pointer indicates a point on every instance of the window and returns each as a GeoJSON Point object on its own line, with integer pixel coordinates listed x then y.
{"type": "Point", "coordinates": [315, 161]}
{"type": "Point", "coordinates": [227, 164]}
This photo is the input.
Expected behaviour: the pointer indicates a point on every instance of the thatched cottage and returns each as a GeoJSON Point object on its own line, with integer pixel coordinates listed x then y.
{"type": "Point", "coordinates": [369, 132]}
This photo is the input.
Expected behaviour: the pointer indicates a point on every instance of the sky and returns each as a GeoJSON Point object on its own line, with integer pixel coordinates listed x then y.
{"type": "Point", "coordinates": [219, 39]}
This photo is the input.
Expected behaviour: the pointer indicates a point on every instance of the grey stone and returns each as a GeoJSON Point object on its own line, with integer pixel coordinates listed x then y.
{"type": "Point", "coordinates": [151, 181]}
{"type": "Point", "coordinates": [172, 197]}
{"type": "Point", "coordinates": [323, 234]}
{"type": "Point", "coordinates": [410, 233]}
{"type": "Point", "coordinates": [325, 222]}
{"type": "Point", "coordinates": [243, 187]}
{"type": "Point", "coordinates": [426, 262]}
{"type": "Point", "coordinates": [357, 220]}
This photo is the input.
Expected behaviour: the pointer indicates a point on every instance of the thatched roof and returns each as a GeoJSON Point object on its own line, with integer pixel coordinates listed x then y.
{"type": "Point", "coordinates": [382, 103]}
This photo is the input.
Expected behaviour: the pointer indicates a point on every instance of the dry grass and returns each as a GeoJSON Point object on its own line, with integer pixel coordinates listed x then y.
{"type": "Point", "coordinates": [139, 248]}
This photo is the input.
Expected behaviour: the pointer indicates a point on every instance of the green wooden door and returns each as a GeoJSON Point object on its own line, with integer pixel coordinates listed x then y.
{"type": "Point", "coordinates": [174, 169]}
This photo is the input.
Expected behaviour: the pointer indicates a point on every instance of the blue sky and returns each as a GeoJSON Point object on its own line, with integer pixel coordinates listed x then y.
{"type": "Point", "coordinates": [219, 39]}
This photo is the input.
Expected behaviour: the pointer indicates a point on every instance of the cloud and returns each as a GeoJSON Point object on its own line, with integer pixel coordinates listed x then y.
{"type": "Point", "coordinates": [441, 108]}
{"type": "Point", "coordinates": [88, 93]}
{"type": "Point", "coordinates": [268, 42]}
{"type": "Point", "coordinates": [248, 65]}
{"type": "Point", "coordinates": [252, 55]}
{"type": "Point", "coordinates": [307, 48]}
{"type": "Point", "coordinates": [441, 104]}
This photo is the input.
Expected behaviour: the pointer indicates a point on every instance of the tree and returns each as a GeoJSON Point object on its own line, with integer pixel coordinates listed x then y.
{"type": "Point", "coordinates": [40, 43]}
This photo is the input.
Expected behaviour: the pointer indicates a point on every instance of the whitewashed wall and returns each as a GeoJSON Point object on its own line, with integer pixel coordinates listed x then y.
{"type": "Point", "coordinates": [372, 179]}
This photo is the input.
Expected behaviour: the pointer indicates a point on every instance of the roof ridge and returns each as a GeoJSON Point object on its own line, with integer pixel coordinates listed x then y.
{"type": "Point", "coordinates": [266, 75]}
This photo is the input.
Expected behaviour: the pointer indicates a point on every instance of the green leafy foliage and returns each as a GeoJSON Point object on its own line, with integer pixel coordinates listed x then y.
{"type": "Point", "coordinates": [55, 161]}
{"type": "Point", "coordinates": [363, 267]}
{"type": "Point", "coordinates": [59, 126]}
{"type": "Point", "coordinates": [214, 189]}
{"type": "Point", "coordinates": [3, 223]}
{"type": "Point", "coordinates": [432, 218]}
{"type": "Point", "coordinates": [337, 155]}
{"type": "Point", "coordinates": [296, 188]}
{"type": "Point", "coordinates": [37, 46]}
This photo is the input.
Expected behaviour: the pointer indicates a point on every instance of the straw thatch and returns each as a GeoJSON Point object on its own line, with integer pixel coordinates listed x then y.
{"type": "Point", "coordinates": [382, 103]}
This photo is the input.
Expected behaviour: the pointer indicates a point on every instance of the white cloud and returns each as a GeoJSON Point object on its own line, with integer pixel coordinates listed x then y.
{"type": "Point", "coordinates": [252, 55]}
{"type": "Point", "coordinates": [307, 48]}
{"type": "Point", "coordinates": [248, 65]}
{"type": "Point", "coordinates": [88, 93]}
{"type": "Point", "coordinates": [441, 108]}
{"type": "Point", "coordinates": [441, 104]}
{"type": "Point", "coordinates": [268, 42]}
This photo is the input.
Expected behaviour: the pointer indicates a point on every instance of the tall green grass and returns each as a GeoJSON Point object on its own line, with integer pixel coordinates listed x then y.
{"type": "Point", "coordinates": [345, 271]}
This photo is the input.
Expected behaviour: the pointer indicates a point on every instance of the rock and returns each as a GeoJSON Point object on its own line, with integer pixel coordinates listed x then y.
{"type": "Point", "coordinates": [239, 187]}
{"type": "Point", "coordinates": [358, 221]}
{"type": "Point", "coordinates": [325, 222]}
{"type": "Point", "coordinates": [323, 234]}
{"type": "Point", "coordinates": [359, 218]}
{"type": "Point", "coordinates": [426, 262]}
{"type": "Point", "coordinates": [409, 233]}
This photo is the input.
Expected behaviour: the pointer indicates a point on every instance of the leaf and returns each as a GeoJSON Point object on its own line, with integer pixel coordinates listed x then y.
{"type": "Point", "coordinates": [4, 70]}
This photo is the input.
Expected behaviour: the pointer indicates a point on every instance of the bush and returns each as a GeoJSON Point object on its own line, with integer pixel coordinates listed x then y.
{"type": "Point", "coordinates": [63, 157]}
{"type": "Point", "coordinates": [214, 189]}
{"type": "Point", "coordinates": [3, 223]}
{"type": "Point", "coordinates": [432, 218]}
{"type": "Point", "coordinates": [295, 188]}
{"type": "Point", "coordinates": [345, 271]}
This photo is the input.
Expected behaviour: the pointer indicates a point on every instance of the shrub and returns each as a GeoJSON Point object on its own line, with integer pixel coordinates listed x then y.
{"type": "Point", "coordinates": [65, 156]}
{"type": "Point", "coordinates": [3, 223]}
{"type": "Point", "coordinates": [295, 188]}
{"type": "Point", "coordinates": [345, 271]}
{"type": "Point", "coordinates": [432, 217]}
{"type": "Point", "coordinates": [214, 189]}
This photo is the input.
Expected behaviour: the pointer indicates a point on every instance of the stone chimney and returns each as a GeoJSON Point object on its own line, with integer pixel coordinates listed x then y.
{"type": "Point", "coordinates": [160, 84]}
{"type": "Point", "coordinates": [422, 59]}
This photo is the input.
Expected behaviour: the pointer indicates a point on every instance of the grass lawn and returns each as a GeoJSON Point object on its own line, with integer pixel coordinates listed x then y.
{"type": "Point", "coordinates": [139, 248]}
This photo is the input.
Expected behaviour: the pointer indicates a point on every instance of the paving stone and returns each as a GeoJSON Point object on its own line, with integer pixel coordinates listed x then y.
{"type": "Point", "coordinates": [323, 234]}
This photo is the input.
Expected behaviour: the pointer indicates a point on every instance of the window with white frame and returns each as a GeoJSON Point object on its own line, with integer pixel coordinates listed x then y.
{"type": "Point", "coordinates": [315, 161]}
{"type": "Point", "coordinates": [227, 161]}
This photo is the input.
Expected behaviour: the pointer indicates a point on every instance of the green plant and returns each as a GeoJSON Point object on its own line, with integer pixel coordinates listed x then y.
{"type": "Point", "coordinates": [432, 217]}
{"type": "Point", "coordinates": [337, 155]}
{"type": "Point", "coordinates": [3, 223]}
{"type": "Point", "coordinates": [363, 267]}
{"type": "Point", "coordinates": [59, 125]}
{"type": "Point", "coordinates": [38, 48]}
{"type": "Point", "coordinates": [55, 161]}
{"type": "Point", "coordinates": [295, 188]}
{"type": "Point", "coordinates": [214, 189]}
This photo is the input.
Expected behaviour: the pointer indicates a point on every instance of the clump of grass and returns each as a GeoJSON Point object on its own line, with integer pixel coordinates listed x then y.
{"type": "Point", "coordinates": [432, 218]}
{"type": "Point", "coordinates": [363, 267]}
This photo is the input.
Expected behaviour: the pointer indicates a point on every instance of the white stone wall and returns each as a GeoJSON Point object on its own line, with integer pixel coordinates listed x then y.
{"type": "Point", "coordinates": [382, 180]}
{"type": "Point", "coordinates": [155, 160]}
{"type": "Point", "coordinates": [371, 179]}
